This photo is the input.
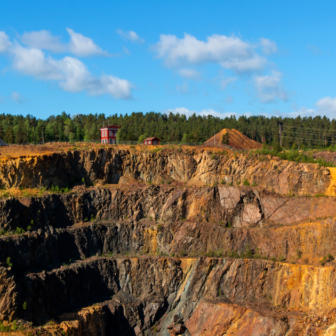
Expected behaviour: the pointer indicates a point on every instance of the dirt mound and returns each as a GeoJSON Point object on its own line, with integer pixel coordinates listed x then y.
{"type": "Point", "coordinates": [235, 139]}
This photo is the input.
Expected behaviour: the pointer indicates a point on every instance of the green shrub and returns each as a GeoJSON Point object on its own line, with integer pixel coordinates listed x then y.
{"type": "Point", "coordinates": [24, 306]}
{"type": "Point", "coordinates": [9, 263]}
{"type": "Point", "coordinates": [19, 230]}
{"type": "Point", "coordinates": [14, 326]}
{"type": "Point", "coordinates": [160, 227]}
{"type": "Point", "coordinates": [294, 155]}
{"type": "Point", "coordinates": [246, 183]}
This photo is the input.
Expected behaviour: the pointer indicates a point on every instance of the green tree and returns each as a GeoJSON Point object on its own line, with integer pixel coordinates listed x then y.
{"type": "Point", "coordinates": [141, 137]}
{"type": "Point", "coordinates": [184, 138]}
{"type": "Point", "coordinates": [225, 138]}
{"type": "Point", "coordinates": [118, 136]}
{"type": "Point", "coordinates": [9, 135]}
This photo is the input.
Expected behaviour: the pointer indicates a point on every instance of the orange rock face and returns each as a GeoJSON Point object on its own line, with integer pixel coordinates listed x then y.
{"type": "Point", "coordinates": [211, 319]}
{"type": "Point", "coordinates": [168, 258]}
{"type": "Point", "coordinates": [200, 167]}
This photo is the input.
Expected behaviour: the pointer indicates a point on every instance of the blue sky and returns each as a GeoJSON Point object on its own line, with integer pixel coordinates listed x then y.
{"type": "Point", "coordinates": [208, 57]}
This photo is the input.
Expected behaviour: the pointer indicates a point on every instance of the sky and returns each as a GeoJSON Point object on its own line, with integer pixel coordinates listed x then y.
{"type": "Point", "coordinates": [244, 57]}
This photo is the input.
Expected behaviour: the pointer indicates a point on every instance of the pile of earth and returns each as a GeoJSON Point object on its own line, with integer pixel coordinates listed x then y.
{"type": "Point", "coordinates": [236, 140]}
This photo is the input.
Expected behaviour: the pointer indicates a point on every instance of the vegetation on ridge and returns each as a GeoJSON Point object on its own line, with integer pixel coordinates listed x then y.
{"type": "Point", "coordinates": [292, 155]}
{"type": "Point", "coordinates": [168, 127]}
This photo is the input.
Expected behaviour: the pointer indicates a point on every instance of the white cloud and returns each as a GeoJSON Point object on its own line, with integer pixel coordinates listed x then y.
{"type": "Point", "coordinates": [302, 112]}
{"type": "Point", "coordinates": [79, 44]}
{"type": "Point", "coordinates": [4, 42]}
{"type": "Point", "coordinates": [327, 105]}
{"type": "Point", "coordinates": [269, 88]}
{"type": "Point", "coordinates": [189, 73]}
{"type": "Point", "coordinates": [228, 51]}
{"type": "Point", "coordinates": [226, 81]}
{"type": "Point", "coordinates": [18, 98]}
{"type": "Point", "coordinates": [70, 72]}
{"type": "Point", "coordinates": [205, 112]}
{"type": "Point", "coordinates": [43, 39]}
{"type": "Point", "coordinates": [131, 36]}
{"type": "Point", "coordinates": [269, 47]}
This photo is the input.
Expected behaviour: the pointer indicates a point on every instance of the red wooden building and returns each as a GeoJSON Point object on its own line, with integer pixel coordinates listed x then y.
{"type": "Point", "coordinates": [152, 141]}
{"type": "Point", "coordinates": [108, 134]}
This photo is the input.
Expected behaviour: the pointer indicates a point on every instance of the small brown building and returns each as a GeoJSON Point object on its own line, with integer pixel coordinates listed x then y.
{"type": "Point", "coordinates": [152, 141]}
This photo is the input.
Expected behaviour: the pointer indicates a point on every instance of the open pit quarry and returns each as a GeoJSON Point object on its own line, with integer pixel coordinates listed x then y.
{"type": "Point", "coordinates": [170, 241]}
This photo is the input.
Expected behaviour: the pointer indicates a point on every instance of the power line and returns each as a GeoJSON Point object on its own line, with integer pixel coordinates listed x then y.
{"type": "Point", "coordinates": [318, 129]}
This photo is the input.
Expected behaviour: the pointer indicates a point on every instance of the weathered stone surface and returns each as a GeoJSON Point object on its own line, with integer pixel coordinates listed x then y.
{"type": "Point", "coordinates": [145, 289]}
{"type": "Point", "coordinates": [217, 319]}
{"type": "Point", "coordinates": [237, 206]}
{"type": "Point", "coordinates": [64, 269]}
{"type": "Point", "coordinates": [198, 166]}
{"type": "Point", "coordinates": [307, 242]}
{"type": "Point", "coordinates": [8, 295]}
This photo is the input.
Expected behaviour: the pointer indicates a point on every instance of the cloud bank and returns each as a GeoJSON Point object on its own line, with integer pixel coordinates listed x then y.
{"type": "Point", "coordinates": [71, 74]}
{"type": "Point", "coordinates": [230, 52]}
{"type": "Point", "coordinates": [269, 88]}
{"type": "Point", "coordinates": [79, 44]}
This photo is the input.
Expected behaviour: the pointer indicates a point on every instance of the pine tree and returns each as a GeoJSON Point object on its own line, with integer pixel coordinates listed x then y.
{"type": "Point", "coordinates": [9, 136]}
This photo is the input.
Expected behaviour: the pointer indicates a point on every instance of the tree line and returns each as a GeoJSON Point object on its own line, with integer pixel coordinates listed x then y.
{"type": "Point", "coordinates": [308, 131]}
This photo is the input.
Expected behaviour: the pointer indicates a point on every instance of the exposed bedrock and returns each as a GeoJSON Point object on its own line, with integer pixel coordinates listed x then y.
{"type": "Point", "coordinates": [237, 206]}
{"type": "Point", "coordinates": [137, 293]}
{"type": "Point", "coordinates": [49, 249]}
{"type": "Point", "coordinates": [198, 166]}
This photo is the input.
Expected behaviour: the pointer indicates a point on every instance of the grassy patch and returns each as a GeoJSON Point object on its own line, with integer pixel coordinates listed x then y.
{"type": "Point", "coordinates": [293, 155]}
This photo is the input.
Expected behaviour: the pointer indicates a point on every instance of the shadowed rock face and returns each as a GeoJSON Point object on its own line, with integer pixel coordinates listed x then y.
{"type": "Point", "coordinates": [51, 248]}
{"type": "Point", "coordinates": [198, 166]}
{"type": "Point", "coordinates": [137, 293]}
{"type": "Point", "coordinates": [78, 272]}
{"type": "Point", "coordinates": [237, 206]}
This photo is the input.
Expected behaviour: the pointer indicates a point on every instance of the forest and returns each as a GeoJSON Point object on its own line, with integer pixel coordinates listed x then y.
{"type": "Point", "coordinates": [174, 128]}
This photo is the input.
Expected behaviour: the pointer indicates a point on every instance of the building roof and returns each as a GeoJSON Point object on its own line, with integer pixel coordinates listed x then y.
{"type": "Point", "coordinates": [152, 138]}
{"type": "Point", "coordinates": [3, 143]}
{"type": "Point", "coordinates": [110, 126]}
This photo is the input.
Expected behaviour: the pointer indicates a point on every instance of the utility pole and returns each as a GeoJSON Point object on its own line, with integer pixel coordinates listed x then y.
{"type": "Point", "coordinates": [280, 135]}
